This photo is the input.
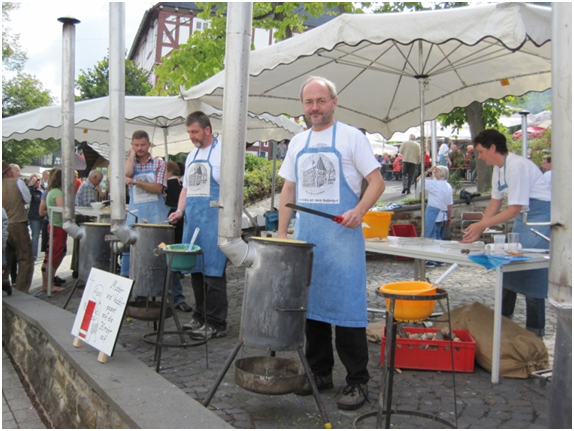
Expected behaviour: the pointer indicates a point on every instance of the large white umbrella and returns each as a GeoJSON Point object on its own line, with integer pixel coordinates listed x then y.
{"type": "Point", "coordinates": [162, 117]}
{"type": "Point", "coordinates": [378, 62]}
{"type": "Point", "coordinates": [394, 71]}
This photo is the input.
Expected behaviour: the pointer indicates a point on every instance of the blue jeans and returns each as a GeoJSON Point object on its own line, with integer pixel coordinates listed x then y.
{"type": "Point", "coordinates": [535, 311]}
{"type": "Point", "coordinates": [36, 228]}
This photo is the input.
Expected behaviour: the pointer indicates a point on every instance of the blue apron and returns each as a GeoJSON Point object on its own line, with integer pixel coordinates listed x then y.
{"type": "Point", "coordinates": [432, 230]}
{"type": "Point", "coordinates": [201, 189]}
{"type": "Point", "coordinates": [149, 206]}
{"type": "Point", "coordinates": [337, 294]}
{"type": "Point", "coordinates": [533, 283]}
{"type": "Point", "coordinates": [150, 209]}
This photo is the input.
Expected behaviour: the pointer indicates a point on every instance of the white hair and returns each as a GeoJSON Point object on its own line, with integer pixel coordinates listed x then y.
{"type": "Point", "coordinates": [442, 172]}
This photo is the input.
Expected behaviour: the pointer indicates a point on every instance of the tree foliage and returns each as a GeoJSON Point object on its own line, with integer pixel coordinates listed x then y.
{"type": "Point", "coordinates": [202, 56]}
{"type": "Point", "coordinates": [258, 180]}
{"type": "Point", "coordinates": [533, 102]}
{"type": "Point", "coordinates": [94, 82]}
{"type": "Point", "coordinates": [23, 93]}
{"type": "Point", "coordinates": [23, 153]}
{"type": "Point", "coordinates": [13, 57]}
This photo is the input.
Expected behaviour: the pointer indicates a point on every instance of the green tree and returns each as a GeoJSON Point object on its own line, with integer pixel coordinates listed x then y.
{"type": "Point", "coordinates": [95, 83]}
{"type": "Point", "coordinates": [23, 153]}
{"type": "Point", "coordinates": [13, 58]}
{"type": "Point", "coordinates": [533, 102]}
{"type": "Point", "coordinates": [23, 93]}
{"type": "Point", "coordinates": [479, 116]}
{"type": "Point", "coordinates": [203, 54]}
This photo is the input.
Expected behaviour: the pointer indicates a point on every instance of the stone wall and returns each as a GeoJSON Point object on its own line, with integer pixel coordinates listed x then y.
{"type": "Point", "coordinates": [74, 390]}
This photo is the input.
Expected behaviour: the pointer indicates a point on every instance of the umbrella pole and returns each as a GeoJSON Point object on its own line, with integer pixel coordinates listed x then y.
{"type": "Point", "coordinates": [524, 133]}
{"type": "Point", "coordinates": [165, 131]}
{"type": "Point", "coordinates": [423, 84]}
{"type": "Point", "coordinates": [274, 150]}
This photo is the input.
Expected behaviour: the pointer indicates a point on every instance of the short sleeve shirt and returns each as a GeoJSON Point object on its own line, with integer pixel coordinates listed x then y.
{"type": "Point", "coordinates": [358, 159]}
{"type": "Point", "coordinates": [523, 179]}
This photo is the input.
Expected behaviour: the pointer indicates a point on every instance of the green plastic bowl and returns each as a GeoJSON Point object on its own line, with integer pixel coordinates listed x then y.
{"type": "Point", "coordinates": [182, 260]}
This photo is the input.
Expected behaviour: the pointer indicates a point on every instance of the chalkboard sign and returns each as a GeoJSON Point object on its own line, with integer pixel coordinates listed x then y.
{"type": "Point", "coordinates": [102, 309]}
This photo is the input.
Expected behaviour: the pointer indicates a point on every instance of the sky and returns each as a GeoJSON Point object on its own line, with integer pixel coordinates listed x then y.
{"type": "Point", "coordinates": [41, 35]}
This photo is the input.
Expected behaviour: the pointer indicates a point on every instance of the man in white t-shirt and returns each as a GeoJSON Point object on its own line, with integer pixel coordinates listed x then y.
{"type": "Point", "coordinates": [323, 170]}
{"type": "Point", "coordinates": [201, 187]}
{"type": "Point", "coordinates": [443, 151]}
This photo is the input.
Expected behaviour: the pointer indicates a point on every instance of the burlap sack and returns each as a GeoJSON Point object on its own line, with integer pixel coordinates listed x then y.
{"type": "Point", "coordinates": [521, 352]}
{"type": "Point", "coordinates": [375, 331]}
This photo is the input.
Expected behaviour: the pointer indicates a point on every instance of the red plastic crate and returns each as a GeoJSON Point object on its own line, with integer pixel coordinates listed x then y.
{"type": "Point", "coordinates": [414, 354]}
{"type": "Point", "coordinates": [404, 230]}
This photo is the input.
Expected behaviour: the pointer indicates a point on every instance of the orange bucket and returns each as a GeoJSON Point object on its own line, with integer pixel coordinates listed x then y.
{"type": "Point", "coordinates": [378, 224]}
{"type": "Point", "coordinates": [410, 310]}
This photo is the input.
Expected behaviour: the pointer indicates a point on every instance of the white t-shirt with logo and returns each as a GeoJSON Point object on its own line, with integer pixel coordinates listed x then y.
{"type": "Point", "coordinates": [357, 157]}
{"type": "Point", "coordinates": [203, 154]}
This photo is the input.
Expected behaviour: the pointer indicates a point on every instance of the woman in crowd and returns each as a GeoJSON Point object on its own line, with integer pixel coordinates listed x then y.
{"type": "Point", "coordinates": [57, 243]}
{"type": "Point", "coordinates": [34, 217]}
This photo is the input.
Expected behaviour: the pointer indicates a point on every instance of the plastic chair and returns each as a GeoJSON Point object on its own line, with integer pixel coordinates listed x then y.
{"type": "Point", "coordinates": [468, 218]}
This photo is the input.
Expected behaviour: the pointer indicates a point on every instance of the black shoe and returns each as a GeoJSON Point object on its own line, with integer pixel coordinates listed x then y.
{"type": "Point", "coordinates": [408, 192]}
{"type": "Point", "coordinates": [323, 383]}
{"type": "Point", "coordinates": [182, 306]}
{"type": "Point", "coordinates": [6, 287]}
{"type": "Point", "coordinates": [404, 192]}
{"type": "Point", "coordinates": [59, 281]}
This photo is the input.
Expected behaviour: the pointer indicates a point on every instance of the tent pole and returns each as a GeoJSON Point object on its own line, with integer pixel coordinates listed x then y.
{"type": "Point", "coordinates": [165, 132]}
{"type": "Point", "coordinates": [524, 133]}
{"type": "Point", "coordinates": [423, 84]}
{"type": "Point", "coordinates": [274, 151]}
{"type": "Point", "coordinates": [560, 273]}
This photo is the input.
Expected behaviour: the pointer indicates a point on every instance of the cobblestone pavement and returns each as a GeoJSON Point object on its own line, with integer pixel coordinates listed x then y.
{"type": "Point", "coordinates": [513, 403]}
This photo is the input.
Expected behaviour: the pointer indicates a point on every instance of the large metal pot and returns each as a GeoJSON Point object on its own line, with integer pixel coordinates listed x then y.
{"type": "Point", "coordinates": [146, 269]}
{"type": "Point", "coordinates": [276, 293]}
{"type": "Point", "coordinates": [95, 251]}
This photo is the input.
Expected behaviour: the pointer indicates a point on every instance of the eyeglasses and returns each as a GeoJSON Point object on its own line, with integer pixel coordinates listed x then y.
{"type": "Point", "coordinates": [320, 102]}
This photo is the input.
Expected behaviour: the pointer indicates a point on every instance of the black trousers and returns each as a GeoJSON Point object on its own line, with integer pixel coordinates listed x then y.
{"type": "Point", "coordinates": [215, 300]}
{"type": "Point", "coordinates": [351, 345]}
{"type": "Point", "coordinates": [409, 170]}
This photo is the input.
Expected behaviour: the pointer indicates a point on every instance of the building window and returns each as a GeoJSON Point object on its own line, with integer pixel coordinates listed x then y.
{"type": "Point", "coordinates": [200, 24]}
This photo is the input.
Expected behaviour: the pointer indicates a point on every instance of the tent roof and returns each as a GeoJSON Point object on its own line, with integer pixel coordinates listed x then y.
{"type": "Point", "coordinates": [468, 53]}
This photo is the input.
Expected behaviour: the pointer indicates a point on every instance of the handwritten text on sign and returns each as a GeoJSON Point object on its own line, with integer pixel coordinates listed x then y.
{"type": "Point", "coordinates": [101, 310]}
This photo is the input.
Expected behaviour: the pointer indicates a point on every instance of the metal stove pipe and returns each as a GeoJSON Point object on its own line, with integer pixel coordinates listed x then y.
{"type": "Point", "coordinates": [116, 172]}
{"type": "Point", "coordinates": [560, 273]}
{"type": "Point", "coordinates": [67, 142]}
{"type": "Point", "coordinates": [238, 43]}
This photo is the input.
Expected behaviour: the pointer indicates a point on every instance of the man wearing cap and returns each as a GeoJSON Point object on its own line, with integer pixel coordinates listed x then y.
{"type": "Point", "coordinates": [19, 245]}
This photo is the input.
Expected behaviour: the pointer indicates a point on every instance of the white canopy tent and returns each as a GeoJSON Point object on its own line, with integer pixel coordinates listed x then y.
{"type": "Point", "coordinates": [377, 61]}
{"type": "Point", "coordinates": [394, 71]}
{"type": "Point", "coordinates": [162, 117]}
